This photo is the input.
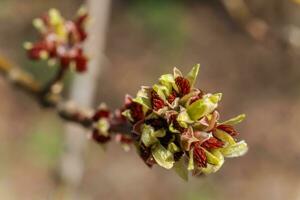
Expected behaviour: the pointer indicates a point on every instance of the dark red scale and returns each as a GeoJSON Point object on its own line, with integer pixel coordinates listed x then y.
{"type": "Point", "coordinates": [183, 85]}
{"type": "Point", "coordinates": [157, 102]}
{"type": "Point", "coordinates": [172, 97]}
{"type": "Point", "coordinates": [228, 129]}
{"type": "Point", "coordinates": [100, 138]}
{"type": "Point", "coordinates": [136, 111]}
{"type": "Point", "coordinates": [199, 156]}
{"type": "Point", "coordinates": [212, 143]}
{"type": "Point", "coordinates": [101, 114]}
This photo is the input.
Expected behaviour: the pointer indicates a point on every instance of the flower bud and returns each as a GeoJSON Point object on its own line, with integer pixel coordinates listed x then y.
{"type": "Point", "coordinates": [175, 122]}
{"type": "Point", "coordinates": [61, 40]}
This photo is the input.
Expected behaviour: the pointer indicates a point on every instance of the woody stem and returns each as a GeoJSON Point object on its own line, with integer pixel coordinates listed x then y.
{"type": "Point", "coordinates": [49, 89]}
{"type": "Point", "coordinates": [64, 109]}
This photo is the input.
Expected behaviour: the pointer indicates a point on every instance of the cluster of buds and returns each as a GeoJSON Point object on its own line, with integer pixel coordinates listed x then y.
{"type": "Point", "coordinates": [61, 40]}
{"type": "Point", "coordinates": [172, 124]}
{"type": "Point", "coordinates": [103, 120]}
{"type": "Point", "coordinates": [176, 125]}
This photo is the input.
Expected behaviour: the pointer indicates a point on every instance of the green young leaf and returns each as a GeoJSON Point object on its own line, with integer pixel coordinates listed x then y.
{"type": "Point", "coordinates": [181, 169]}
{"type": "Point", "coordinates": [235, 150]}
{"type": "Point", "coordinates": [174, 104]}
{"type": "Point", "coordinates": [177, 73]}
{"type": "Point", "coordinates": [191, 165]}
{"type": "Point", "coordinates": [127, 114]}
{"type": "Point", "coordinates": [149, 136]}
{"type": "Point", "coordinates": [236, 120]}
{"type": "Point", "coordinates": [214, 168]}
{"type": "Point", "coordinates": [211, 158]}
{"type": "Point", "coordinates": [145, 102]}
{"type": "Point", "coordinates": [184, 119]}
{"type": "Point", "coordinates": [192, 75]}
{"type": "Point", "coordinates": [162, 156]}
{"type": "Point", "coordinates": [103, 126]}
{"type": "Point", "coordinates": [173, 129]}
{"type": "Point", "coordinates": [225, 137]}
{"type": "Point", "coordinates": [173, 148]}
{"type": "Point", "coordinates": [203, 106]}
{"type": "Point", "coordinates": [143, 97]}
{"type": "Point", "coordinates": [215, 98]}
{"type": "Point", "coordinates": [159, 133]}
{"type": "Point", "coordinates": [162, 91]}
{"type": "Point", "coordinates": [167, 80]}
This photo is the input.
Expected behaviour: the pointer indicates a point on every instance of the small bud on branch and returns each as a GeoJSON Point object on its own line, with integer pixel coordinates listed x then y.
{"type": "Point", "coordinates": [61, 41]}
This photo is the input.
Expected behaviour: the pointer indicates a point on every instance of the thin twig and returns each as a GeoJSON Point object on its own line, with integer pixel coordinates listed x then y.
{"type": "Point", "coordinates": [65, 109]}
{"type": "Point", "coordinates": [49, 89]}
{"type": "Point", "coordinates": [18, 77]}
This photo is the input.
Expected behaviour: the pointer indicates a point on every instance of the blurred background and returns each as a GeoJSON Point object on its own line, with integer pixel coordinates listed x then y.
{"type": "Point", "coordinates": [248, 49]}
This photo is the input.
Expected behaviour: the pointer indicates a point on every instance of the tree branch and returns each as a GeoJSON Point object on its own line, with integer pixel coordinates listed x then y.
{"type": "Point", "coordinates": [52, 89]}
{"type": "Point", "coordinates": [67, 110]}
{"type": "Point", "coordinates": [18, 77]}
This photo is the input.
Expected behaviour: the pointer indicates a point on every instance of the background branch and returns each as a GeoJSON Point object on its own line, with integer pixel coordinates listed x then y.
{"type": "Point", "coordinates": [239, 12]}
{"type": "Point", "coordinates": [18, 77]}
{"type": "Point", "coordinates": [67, 110]}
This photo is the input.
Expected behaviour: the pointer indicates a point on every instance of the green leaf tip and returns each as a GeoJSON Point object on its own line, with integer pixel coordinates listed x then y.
{"type": "Point", "coordinates": [235, 150]}
{"type": "Point", "coordinates": [192, 75]}
{"type": "Point", "coordinates": [236, 120]}
{"type": "Point", "coordinates": [203, 106]}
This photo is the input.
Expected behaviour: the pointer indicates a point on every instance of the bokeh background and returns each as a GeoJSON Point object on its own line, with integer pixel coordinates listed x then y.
{"type": "Point", "coordinates": [249, 50]}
